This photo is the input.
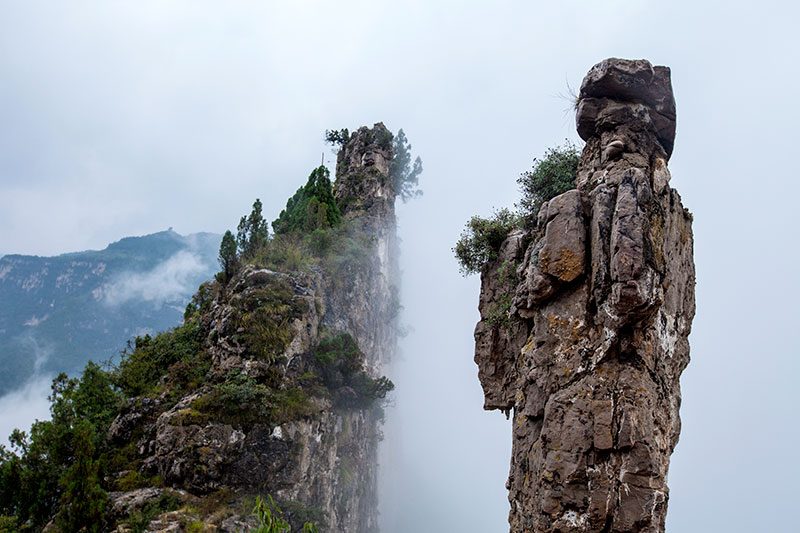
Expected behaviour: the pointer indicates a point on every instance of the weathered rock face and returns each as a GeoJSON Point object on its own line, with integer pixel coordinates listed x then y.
{"type": "Point", "coordinates": [368, 304]}
{"type": "Point", "coordinates": [318, 445]}
{"type": "Point", "coordinates": [587, 341]}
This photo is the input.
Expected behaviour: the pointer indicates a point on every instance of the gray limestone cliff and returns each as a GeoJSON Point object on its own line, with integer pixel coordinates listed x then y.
{"type": "Point", "coordinates": [303, 419]}
{"type": "Point", "coordinates": [601, 291]}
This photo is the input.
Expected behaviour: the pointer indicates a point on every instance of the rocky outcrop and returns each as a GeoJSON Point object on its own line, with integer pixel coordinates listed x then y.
{"type": "Point", "coordinates": [274, 415]}
{"type": "Point", "coordinates": [368, 304]}
{"type": "Point", "coordinates": [585, 319]}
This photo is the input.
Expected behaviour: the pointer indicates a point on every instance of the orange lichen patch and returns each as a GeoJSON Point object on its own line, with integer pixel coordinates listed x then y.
{"type": "Point", "coordinates": [566, 266]}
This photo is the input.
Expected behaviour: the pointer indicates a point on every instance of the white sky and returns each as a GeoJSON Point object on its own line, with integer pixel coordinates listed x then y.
{"type": "Point", "coordinates": [125, 118]}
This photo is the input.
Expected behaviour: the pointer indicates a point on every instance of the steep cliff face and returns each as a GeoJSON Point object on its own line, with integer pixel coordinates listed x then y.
{"type": "Point", "coordinates": [289, 404]}
{"type": "Point", "coordinates": [601, 291]}
{"type": "Point", "coordinates": [368, 304]}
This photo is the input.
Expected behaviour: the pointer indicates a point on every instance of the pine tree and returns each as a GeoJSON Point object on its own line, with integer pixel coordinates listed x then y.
{"type": "Point", "coordinates": [83, 501]}
{"type": "Point", "coordinates": [252, 232]}
{"type": "Point", "coordinates": [228, 257]}
{"type": "Point", "coordinates": [404, 174]}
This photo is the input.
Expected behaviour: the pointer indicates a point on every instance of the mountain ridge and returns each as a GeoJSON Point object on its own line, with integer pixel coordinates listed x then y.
{"type": "Point", "coordinates": [43, 295]}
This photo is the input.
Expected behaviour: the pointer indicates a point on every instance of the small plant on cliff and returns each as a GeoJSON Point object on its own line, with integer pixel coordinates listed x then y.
{"type": "Point", "coordinates": [550, 176]}
{"type": "Point", "coordinates": [481, 239]}
{"type": "Point", "coordinates": [270, 518]}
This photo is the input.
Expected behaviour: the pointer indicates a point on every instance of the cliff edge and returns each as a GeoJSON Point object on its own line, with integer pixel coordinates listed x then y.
{"type": "Point", "coordinates": [590, 351]}
{"type": "Point", "coordinates": [263, 410]}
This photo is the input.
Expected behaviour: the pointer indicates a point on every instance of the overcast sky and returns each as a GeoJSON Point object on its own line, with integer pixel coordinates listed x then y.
{"type": "Point", "coordinates": [126, 118]}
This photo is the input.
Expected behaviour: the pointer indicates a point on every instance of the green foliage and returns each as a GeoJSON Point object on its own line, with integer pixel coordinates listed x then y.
{"type": "Point", "coordinates": [8, 524]}
{"type": "Point", "coordinates": [299, 513]}
{"type": "Point", "coordinates": [349, 251]}
{"type": "Point", "coordinates": [252, 232]}
{"type": "Point", "coordinates": [139, 520]}
{"type": "Point", "coordinates": [56, 471]}
{"type": "Point", "coordinates": [228, 256]}
{"type": "Point", "coordinates": [265, 314]}
{"type": "Point", "coordinates": [403, 173]}
{"type": "Point", "coordinates": [271, 520]}
{"type": "Point", "coordinates": [200, 302]}
{"type": "Point", "coordinates": [312, 206]}
{"type": "Point", "coordinates": [242, 401]}
{"type": "Point", "coordinates": [195, 526]}
{"type": "Point", "coordinates": [132, 480]}
{"type": "Point", "coordinates": [337, 137]}
{"type": "Point", "coordinates": [285, 253]}
{"type": "Point", "coordinates": [83, 501]}
{"type": "Point", "coordinates": [342, 370]}
{"type": "Point", "coordinates": [481, 239]}
{"type": "Point", "coordinates": [141, 367]}
{"type": "Point", "coordinates": [269, 517]}
{"type": "Point", "coordinates": [550, 176]}
{"type": "Point", "coordinates": [340, 251]}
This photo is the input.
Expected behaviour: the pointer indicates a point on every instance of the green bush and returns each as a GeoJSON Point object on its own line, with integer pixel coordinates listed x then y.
{"type": "Point", "coordinates": [139, 520]}
{"type": "Point", "coordinates": [550, 176]}
{"type": "Point", "coordinates": [271, 519]}
{"type": "Point", "coordinates": [266, 315]}
{"type": "Point", "coordinates": [481, 240]}
{"type": "Point", "coordinates": [242, 401]}
{"type": "Point", "coordinates": [341, 364]}
{"type": "Point", "coordinates": [150, 358]}
{"type": "Point", "coordinates": [131, 481]}
{"type": "Point", "coordinates": [285, 253]}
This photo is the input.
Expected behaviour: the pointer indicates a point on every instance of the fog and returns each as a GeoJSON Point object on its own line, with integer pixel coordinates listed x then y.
{"type": "Point", "coordinates": [169, 280]}
{"type": "Point", "coordinates": [125, 118]}
{"type": "Point", "coordinates": [444, 460]}
{"type": "Point", "coordinates": [19, 408]}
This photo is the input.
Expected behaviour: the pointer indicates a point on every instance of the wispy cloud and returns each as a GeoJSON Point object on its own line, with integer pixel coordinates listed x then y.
{"type": "Point", "coordinates": [19, 408]}
{"type": "Point", "coordinates": [170, 280]}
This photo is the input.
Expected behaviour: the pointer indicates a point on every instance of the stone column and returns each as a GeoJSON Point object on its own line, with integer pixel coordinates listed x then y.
{"type": "Point", "coordinates": [596, 340]}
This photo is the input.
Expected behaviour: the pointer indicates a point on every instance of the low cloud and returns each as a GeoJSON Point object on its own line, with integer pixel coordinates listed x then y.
{"type": "Point", "coordinates": [171, 280]}
{"type": "Point", "coordinates": [19, 408]}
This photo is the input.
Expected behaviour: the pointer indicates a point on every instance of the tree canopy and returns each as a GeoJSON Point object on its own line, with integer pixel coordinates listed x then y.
{"type": "Point", "coordinates": [403, 171]}
{"type": "Point", "coordinates": [312, 206]}
{"type": "Point", "coordinates": [252, 231]}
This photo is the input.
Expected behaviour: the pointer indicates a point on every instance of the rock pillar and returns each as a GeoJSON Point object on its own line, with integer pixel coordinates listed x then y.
{"type": "Point", "coordinates": [590, 352]}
